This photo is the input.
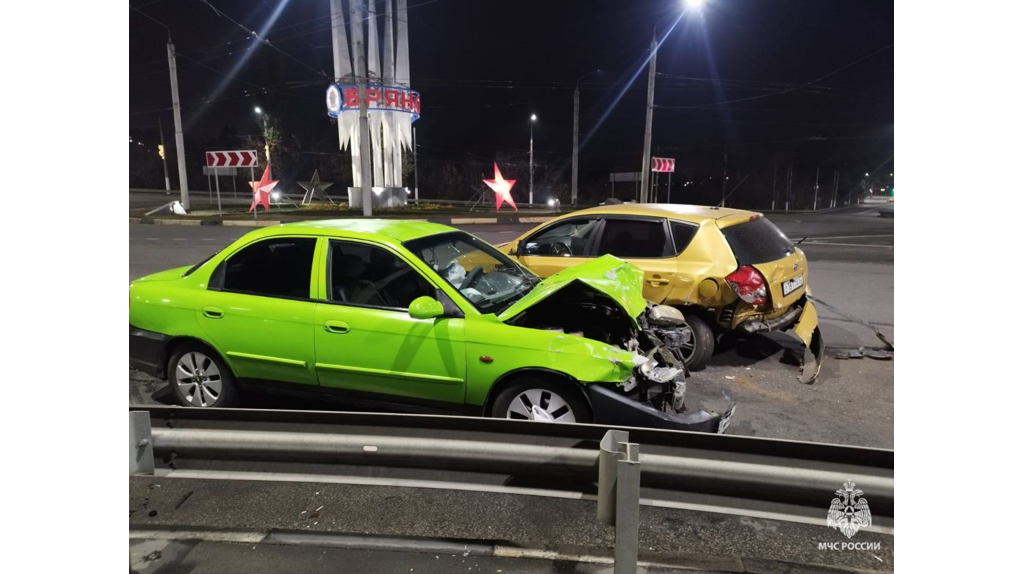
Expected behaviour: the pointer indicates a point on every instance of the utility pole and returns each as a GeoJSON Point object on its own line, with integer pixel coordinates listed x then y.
{"type": "Point", "coordinates": [645, 167]}
{"type": "Point", "coordinates": [163, 154]}
{"type": "Point", "coordinates": [835, 188]}
{"type": "Point", "coordinates": [415, 167]}
{"type": "Point", "coordinates": [816, 174]}
{"type": "Point", "coordinates": [775, 178]}
{"type": "Point", "coordinates": [575, 140]}
{"type": "Point", "coordinates": [725, 174]}
{"type": "Point", "coordinates": [789, 187]}
{"type": "Point", "coordinates": [533, 118]}
{"type": "Point", "coordinates": [364, 127]}
{"type": "Point", "coordinates": [179, 137]}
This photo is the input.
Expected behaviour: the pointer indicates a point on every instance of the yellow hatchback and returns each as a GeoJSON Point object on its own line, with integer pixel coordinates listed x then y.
{"type": "Point", "coordinates": [725, 269]}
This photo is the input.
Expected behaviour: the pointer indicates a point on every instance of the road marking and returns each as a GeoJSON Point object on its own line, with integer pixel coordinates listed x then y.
{"type": "Point", "coordinates": [152, 239]}
{"type": "Point", "coordinates": [809, 242]}
{"type": "Point", "coordinates": [469, 220]}
{"type": "Point", "coordinates": [179, 239]}
{"type": "Point", "coordinates": [848, 236]}
{"type": "Point", "coordinates": [208, 239]}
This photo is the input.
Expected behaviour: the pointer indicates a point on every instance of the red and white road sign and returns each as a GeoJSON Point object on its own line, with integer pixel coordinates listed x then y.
{"type": "Point", "coordinates": [663, 164]}
{"type": "Point", "coordinates": [240, 158]}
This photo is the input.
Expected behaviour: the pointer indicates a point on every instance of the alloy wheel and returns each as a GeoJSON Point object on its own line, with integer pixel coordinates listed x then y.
{"type": "Point", "coordinates": [198, 379]}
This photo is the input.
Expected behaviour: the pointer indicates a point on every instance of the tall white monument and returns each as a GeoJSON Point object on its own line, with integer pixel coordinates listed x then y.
{"type": "Point", "coordinates": [392, 106]}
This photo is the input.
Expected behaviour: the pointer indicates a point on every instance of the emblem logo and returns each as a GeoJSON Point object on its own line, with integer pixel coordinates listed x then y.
{"type": "Point", "coordinates": [849, 511]}
{"type": "Point", "coordinates": [333, 100]}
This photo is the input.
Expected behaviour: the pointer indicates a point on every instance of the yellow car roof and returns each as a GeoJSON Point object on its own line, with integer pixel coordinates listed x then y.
{"type": "Point", "coordinates": [692, 213]}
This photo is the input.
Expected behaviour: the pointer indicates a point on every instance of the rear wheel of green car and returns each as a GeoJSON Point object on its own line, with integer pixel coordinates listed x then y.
{"type": "Point", "coordinates": [540, 400]}
{"type": "Point", "coordinates": [199, 378]}
{"type": "Point", "coordinates": [703, 343]}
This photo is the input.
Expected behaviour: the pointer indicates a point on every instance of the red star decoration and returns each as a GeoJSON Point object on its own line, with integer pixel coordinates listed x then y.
{"type": "Point", "coordinates": [502, 189]}
{"type": "Point", "coordinates": [261, 190]}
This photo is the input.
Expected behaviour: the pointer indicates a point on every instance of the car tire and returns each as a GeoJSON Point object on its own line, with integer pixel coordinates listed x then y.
{"type": "Point", "coordinates": [704, 340]}
{"type": "Point", "coordinates": [557, 402]}
{"type": "Point", "coordinates": [200, 379]}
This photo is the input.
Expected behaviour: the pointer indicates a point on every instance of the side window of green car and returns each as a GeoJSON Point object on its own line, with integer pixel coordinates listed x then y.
{"type": "Point", "coordinates": [278, 267]}
{"type": "Point", "coordinates": [364, 275]}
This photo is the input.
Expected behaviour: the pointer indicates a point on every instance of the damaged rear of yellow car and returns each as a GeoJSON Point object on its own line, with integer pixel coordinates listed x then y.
{"type": "Point", "coordinates": [727, 270]}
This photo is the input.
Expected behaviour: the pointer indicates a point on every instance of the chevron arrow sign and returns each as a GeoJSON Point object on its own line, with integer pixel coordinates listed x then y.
{"type": "Point", "coordinates": [238, 158]}
{"type": "Point", "coordinates": [663, 164]}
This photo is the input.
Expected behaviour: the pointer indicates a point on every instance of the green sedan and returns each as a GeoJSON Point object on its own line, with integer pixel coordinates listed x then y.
{"type": "Point", "coordinates": [414, 316]}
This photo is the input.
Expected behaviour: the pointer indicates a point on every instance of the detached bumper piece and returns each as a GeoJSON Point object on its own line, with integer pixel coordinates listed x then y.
{"type": "Point", "coordinates": [612, 408]}
{"type": "Point", "coordinates": [146, 351]}
{"type": "Point", "coordinates": [803, 319]}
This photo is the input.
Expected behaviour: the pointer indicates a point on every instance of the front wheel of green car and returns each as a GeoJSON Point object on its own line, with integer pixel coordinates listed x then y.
{"type": "Point", "coordinates": [200, 379]}
{"type": "Point", "coordinates": [539, 400]}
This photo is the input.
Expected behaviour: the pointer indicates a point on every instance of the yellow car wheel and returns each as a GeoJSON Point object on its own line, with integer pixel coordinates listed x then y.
{"type": "Point", "coordinates": [704, 342]}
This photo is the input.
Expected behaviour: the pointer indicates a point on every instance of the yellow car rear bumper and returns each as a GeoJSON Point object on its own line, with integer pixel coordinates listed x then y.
{"type": "Point", "coordinates": [803, 319]}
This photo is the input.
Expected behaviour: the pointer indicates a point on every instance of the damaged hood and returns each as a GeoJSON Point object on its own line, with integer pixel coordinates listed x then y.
{"type": "Point", "coordinates": [622, 281]}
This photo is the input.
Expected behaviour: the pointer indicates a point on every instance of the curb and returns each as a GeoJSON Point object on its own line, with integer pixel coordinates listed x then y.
{"type": "Point", "coordinates": [380, 543]}
{"type": "Point", "coordinates": [268, 222]}
{"type": "Point", "coordinates": [248, 222]}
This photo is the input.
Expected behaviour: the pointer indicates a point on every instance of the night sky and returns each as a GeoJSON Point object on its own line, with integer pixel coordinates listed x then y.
{"type": "Point", "coordinates": [809, 82]}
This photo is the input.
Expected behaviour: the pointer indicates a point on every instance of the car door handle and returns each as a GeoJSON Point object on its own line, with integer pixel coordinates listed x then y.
{"type": "Point", "coordinates": [213, 312]}
{"type": "Point", "coordinates": [336, 327]}
{"type": "Point", "coordinates": [657, 281]}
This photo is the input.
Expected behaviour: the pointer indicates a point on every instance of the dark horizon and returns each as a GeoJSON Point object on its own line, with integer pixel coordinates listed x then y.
{"type": "Point", "coordinates": [810, 84]}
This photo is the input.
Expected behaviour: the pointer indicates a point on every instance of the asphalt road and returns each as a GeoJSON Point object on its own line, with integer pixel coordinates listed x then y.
{"type": "Point", "coordinates": [851, 403]}
{"type": "Point", "coordinates": [851, 254]}
{"type": "Point", "coordinates": [700, 540]}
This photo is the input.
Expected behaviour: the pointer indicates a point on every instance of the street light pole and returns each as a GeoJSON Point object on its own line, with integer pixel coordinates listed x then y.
{"type": "Point", "coordinates": [266, 142]}
{"type": "Point", "coordinates": [364, 124]}
{"type": "Point", "coordinates": [163, 155]}
{"type": "Point", "coordinates": [179, 137]}
{"type": "Point", "coordinates": [645, 167]}
{"type": "Point", "coordinates": [533, 118]}
{"type": "Point", "coordinates": [575, 140]}
{"type": "Point", "coordinates": [576, 135]}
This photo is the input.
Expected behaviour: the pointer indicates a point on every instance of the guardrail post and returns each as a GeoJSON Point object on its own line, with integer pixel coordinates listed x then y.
{"type": "Point", "coordinates": [618, 496]}
{"type": "Point", "coordinates": [607, 474]}
{"type": "Point", "coordinates": [140, 443]}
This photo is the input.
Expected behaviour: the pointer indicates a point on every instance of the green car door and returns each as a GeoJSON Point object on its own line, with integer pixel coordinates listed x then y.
{"type": "Point", "coordinates": [258, 310]}
{"type": "Point", "coordinates": [366, 342]}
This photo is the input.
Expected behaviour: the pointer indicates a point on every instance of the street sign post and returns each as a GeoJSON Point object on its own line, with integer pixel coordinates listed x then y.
{"type": "Point", "coordinates": [664, 165]}
{"type": "Point", "coordinates": [216, 160]}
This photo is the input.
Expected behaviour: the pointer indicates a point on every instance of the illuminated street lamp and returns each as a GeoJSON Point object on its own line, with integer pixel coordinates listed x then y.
{"type": "Point", "coordinates": [533, 120]}
{"type": "Point", "coordinates": [266, 141]}
{"type": "Point", "coordinates": [645, 166]}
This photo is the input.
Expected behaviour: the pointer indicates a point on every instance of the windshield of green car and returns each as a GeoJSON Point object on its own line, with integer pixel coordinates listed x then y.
{"type": "Point", "coordinates": [486, 277]}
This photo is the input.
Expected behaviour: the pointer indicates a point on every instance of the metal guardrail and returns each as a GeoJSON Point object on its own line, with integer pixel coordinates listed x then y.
{"type": "Point", "coordinates": [769, 478]}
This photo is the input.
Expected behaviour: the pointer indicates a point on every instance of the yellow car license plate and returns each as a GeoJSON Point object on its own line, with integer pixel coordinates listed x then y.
{"type": "Point", "coordinates": [793, 284]}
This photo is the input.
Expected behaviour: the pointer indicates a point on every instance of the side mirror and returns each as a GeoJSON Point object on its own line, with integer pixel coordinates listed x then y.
{"type": "Point", "coordinates": [425, 308]}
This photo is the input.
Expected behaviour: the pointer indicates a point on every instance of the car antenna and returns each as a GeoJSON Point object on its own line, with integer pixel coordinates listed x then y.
{"type": "Point", "coordinates": [722, 204]}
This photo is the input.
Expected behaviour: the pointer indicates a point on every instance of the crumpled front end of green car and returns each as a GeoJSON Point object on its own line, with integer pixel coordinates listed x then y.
{"type": "Point", "coordinates": [627, 352]}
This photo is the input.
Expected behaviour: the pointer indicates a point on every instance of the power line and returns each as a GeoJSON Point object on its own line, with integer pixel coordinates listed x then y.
{"type": "Point", "coordinates": [264, 40]}
{"type": "Point", "coordinates": [807, 84]}
{"type": "Point", "coordinates": [158, 22]}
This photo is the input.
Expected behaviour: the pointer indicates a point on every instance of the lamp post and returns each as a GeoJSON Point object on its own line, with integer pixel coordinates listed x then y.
{"type": "Point", "coordinates": [645, 168]}
{"type": "Point", "coordinates": [576, 133]}
{"type": "Point", "coordinates": [266, 142]}
{"type": "Point", "coordinates": [533, 120]}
